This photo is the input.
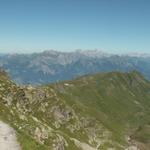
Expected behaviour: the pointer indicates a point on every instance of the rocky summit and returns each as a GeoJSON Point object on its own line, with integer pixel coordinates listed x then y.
{"type": "Point", "coordinates": [106, 111]}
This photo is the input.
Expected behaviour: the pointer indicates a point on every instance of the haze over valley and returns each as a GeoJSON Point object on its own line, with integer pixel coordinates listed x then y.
{"type": "Point", "coordinates": [53, 66]}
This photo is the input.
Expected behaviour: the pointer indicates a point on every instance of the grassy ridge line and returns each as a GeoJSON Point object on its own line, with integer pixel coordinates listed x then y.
{"type": "Point", "coordinates": [115, 104]}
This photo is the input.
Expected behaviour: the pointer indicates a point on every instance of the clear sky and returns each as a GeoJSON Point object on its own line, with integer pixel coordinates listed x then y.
{"type": "Point", "coordinates": [109, 25]}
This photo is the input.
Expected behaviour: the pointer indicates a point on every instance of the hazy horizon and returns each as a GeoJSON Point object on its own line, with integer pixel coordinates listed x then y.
{"type": "Point", "coordinates": [77, 50]}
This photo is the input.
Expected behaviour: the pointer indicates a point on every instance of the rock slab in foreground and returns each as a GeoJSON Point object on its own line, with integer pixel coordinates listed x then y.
{"type": "Point", "coordinates": [8, 140]}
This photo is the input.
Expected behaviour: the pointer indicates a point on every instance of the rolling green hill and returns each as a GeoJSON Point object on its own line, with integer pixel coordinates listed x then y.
{"type": "Point", "coordinates": [95, 112]}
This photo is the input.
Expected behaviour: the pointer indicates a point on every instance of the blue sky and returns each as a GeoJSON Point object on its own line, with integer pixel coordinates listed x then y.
{"type": "Point", "coordinates": [116, 26]}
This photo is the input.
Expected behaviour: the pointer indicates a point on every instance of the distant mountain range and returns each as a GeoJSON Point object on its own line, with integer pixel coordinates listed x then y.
{"type": "Point", "coordinates": [51, 66]}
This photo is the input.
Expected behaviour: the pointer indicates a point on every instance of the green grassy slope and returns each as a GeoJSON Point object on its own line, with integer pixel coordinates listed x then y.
{"type": "Point", "coordinates": [121, 101]}
{"type": "Point", "coordinates": [101, 111]}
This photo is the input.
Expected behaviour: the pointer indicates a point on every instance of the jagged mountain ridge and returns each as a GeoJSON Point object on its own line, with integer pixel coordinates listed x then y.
{"type": "Point", "coordinates": [102, 111]}
{"type": "Point", "coordinates": [52, 66]}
